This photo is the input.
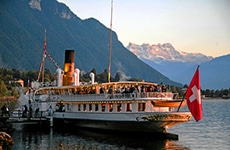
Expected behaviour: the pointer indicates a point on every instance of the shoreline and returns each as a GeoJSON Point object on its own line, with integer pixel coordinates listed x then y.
{"type": "Point", "coordinates": [215, 98]}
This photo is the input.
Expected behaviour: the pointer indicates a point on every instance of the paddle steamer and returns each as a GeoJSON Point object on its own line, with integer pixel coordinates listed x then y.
{"type": "Point", "coordinates": [131, 106]}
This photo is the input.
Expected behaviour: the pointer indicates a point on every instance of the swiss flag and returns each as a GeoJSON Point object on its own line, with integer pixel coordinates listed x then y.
{"type": "Point", "coordinates": [193, 96]}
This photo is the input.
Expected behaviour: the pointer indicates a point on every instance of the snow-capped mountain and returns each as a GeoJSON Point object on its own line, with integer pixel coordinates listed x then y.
{"type": "Point", "coordinates": [166, 52]}
{"type": "Point", "coordinates": [179, 66]}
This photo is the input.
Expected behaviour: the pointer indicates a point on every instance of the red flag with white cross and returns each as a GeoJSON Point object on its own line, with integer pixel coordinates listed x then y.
{"type": "Point", "coordinates": [193, 96]}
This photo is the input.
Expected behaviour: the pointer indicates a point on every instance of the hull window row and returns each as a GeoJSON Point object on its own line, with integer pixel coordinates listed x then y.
{"type": "Point", "coordinates": [111, 107]}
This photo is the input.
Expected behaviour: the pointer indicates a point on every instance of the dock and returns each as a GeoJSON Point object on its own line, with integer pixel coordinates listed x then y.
{"type": "Point", "coordinates": [12, 122]}
{"type": "Point", "coordinates": [25, 120]}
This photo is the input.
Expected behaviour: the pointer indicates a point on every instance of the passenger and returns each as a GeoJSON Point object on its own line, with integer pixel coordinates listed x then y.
{"type": "Point", "coordinates": [123, 89]}
{"type": "Point", "coordinates": [155, 89]}
{"type": "Point", "coordinates": [7, 111]}
{"type": "Point", "coordinates": [164, 88]}
{"type": "Point", "coordinates": [36, 111]}
{"type": "Point", "coordinates": [110, 92]}
{"type": "Point", "coordinates": [146, 89]}
{"type": "Point", "coordinates": [142, 91]}
{"type": "Point", "coordinates": [57, 107]}
{"type": "Point", "coordinates": [25, 109]}
{"type": "Point", "coordinates": [149, 89]}
{"type": "Point", "coordinates": [30, 112]}
{"type": "Point", "coordinates": [158, 89]}
{"type": "Point", "coordinates": [118, 90]}
{"type": "Point", "coordinates": [135, 91]}
{"type": "Point", "coordinates": [127, 89]}
{"type": "Point", "coordinates": [3, 110]}
{"type": "Point", "coordinates": [30, 101]}
{"type": "Point", "coordinates": [50, 111]}
{"type": "Point", "coordinates": [102, 90]}
{"type": "Point", "coordinates": [63, 108]}
{"type": "Point", "coordinates": [131, 89]}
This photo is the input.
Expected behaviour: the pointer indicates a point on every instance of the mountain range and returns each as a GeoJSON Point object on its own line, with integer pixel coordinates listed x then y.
{"type": "Point", "coordinates": [22, 26]}
{"type": "Point", "coordinates": [180, 66]}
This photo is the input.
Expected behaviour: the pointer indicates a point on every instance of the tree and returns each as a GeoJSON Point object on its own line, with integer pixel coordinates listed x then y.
{"type": "Point", "coordinates": [117, 76]}
{"type": "Point", "coordinates": [14, 92]}
{"type": "Point", "coordinates": [3, 89]}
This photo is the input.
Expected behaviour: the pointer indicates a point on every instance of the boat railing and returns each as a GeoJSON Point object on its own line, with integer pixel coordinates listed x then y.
{"type": "Point", "coordinates": [109, 97]}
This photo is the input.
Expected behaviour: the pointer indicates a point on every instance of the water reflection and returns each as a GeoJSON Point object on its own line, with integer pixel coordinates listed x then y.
{"type": "Point", "coordinates": [52, 139]}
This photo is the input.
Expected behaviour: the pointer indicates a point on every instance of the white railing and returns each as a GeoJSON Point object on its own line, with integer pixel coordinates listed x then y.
{"type": "Point", "coordinates": [110, 97]}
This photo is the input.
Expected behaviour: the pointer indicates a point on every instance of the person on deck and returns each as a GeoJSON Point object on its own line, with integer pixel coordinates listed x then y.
{"type": "Point", "coordinates": [25, 109]}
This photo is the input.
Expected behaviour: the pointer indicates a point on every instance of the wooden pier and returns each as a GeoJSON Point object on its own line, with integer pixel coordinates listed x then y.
{"type": "Point", "coordinates": [26, 120]}
{"type": "Point", "coordinates": [23, 121]}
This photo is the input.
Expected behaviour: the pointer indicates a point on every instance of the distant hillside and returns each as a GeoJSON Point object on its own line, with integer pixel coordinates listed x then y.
{"type": "Point", "coordinates": [213, 74]}
{"type": "Point", "coordinates": [22, 27]}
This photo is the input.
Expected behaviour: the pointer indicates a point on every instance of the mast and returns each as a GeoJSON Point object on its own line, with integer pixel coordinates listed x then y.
{"type": "Point", "coordinates": [41, 70]}
{"type": "Point", "coordinates": [44, 56]}
{"type": "Point", "coordinates": [110, 43]}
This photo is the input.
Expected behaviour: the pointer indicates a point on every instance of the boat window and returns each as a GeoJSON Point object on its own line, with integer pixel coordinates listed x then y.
{"type": "Point", "coordinates": [141, 106]}
{"type": "Point", "coordinates": [68, 107]}
{"type": "Point", "coordinates": [90, 107]}
{"type": "Point", "coordinates": [103, 107]}
{"type": "Point", "coordinates": [79, 107]}
{"type": "Point", "coordinates": [84, 107]}
{"type": "Point", "coordinates": [128, 107]}
{"type": "Point", "coordinates": [96, 107]}
{"type": "Point", "coordinates": [110, 107]}
{"type": "Point", "coordinates": [119, 108]}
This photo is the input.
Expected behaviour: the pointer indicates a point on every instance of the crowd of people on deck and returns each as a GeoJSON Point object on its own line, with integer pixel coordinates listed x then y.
{"type": "Point", "coordinates": [133, 89]}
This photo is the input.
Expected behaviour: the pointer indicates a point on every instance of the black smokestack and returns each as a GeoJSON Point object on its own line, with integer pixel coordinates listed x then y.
{"type": "Point", "coordinates": [68, 67]}
{"type": "Point", "coordinates": [69, 56]}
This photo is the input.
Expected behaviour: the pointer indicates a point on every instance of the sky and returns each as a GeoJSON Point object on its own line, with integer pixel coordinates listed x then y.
{"type": "Point", "coordinates": [194, 26]}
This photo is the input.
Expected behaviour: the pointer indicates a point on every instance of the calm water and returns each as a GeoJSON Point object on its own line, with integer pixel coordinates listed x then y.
{"type": "Point", "coordinates": [212, 132]}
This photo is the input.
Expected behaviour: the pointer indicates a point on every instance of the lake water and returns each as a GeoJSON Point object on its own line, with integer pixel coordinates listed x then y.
{"type": "Point", "coordinates": [212, 132]}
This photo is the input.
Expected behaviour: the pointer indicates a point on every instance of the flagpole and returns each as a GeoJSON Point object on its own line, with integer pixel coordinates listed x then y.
{"type": "Point", "coordinates": [193, 96]}
{"type": "Point", "coordinates": [181, 102]}
{"type": "Point", "coordinates": [110, 43]}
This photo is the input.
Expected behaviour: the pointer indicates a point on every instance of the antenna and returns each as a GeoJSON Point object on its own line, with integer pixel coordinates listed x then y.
{"type": "Point", "coordinates": [110, 43]}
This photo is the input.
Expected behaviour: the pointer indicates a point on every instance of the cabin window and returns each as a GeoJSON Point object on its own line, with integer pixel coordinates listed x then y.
{"type": "Point", "coordinates": [110, 107]}
{"type": "Point", "coordinates": [128, 107]}
{"type": "Point", "coordinates": [103, 107]}
{"type": "Point", "coordinates": [84, 107]}
{"type": "Point", "coordinates": [79, 107]}
{"type": "Point", "coordinates": [90, 107]}
{"type": "Point", "coordinates": [68, 107]}
{"type": "Point", "coordinates": [141, 106]}
{"type": "Point", "coordinates": [96, 107]}
{"type": "Point", "coordinates": [119, 107]}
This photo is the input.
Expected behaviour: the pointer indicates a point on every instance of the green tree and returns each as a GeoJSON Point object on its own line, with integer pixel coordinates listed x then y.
{"type": "Point", "coordinates": [117, 76]}
{"type": "Point", "coordinates": [3, 89]}
{"type": "Point", "coordinates": [14, 92]}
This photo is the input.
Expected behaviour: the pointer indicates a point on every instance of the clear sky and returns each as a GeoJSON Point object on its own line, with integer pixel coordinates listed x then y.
{"type": "Point", "coordinates": [189, 25]}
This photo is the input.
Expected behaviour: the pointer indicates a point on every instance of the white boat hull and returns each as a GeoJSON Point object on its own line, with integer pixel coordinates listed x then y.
{"type": "Point", "coordinates": [132, 122]}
